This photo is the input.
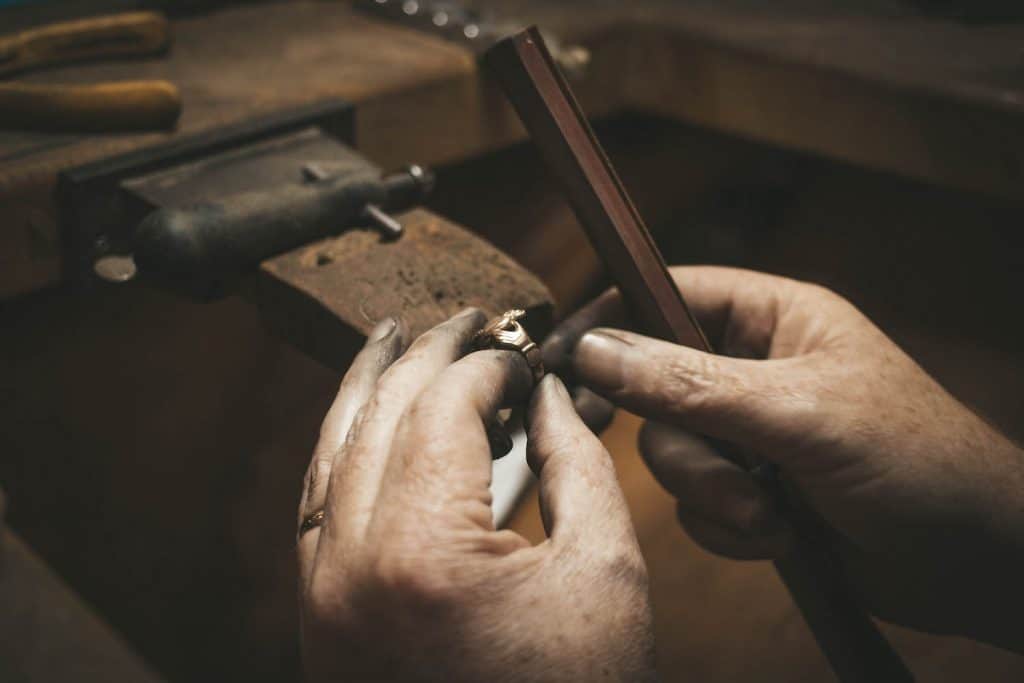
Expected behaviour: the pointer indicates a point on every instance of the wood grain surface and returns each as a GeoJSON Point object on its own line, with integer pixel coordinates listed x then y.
{"type": "Point", "coordinates": [879, 85]}
{"type": "Point", "coordinates": [325, 297]}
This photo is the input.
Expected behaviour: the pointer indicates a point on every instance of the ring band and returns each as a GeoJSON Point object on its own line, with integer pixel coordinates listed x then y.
{"type": "Point", "coordinates": [311, 522]}
{"type": "Point", "coordinates": [505, 332]}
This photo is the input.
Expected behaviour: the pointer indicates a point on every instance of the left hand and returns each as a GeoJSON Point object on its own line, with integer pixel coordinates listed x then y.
{"type": "Point", "coordinates": [407, 578]}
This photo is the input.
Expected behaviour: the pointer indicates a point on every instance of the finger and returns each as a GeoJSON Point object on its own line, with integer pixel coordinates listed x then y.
{"type": "Point", "coordinates": [748, 314]}
{"type": "Point", "coordinates": [581, 502]}
{"type": "Point", "coordinates": [603, 311]}
{"type": "Point", "coordinates": [606, 309]}
{"type": "Point", "coordinates": [755, 404]}
{"type": "Point", "coordinates": [730, 543]}
{"type": "Point", "coordinates": [706, 483]}
{"type": "Point", "coordinates": [355, 481]}
{"type": "Point", "coordinates": [440, 469]}
{"type": "Point", "coordinates": [738, 309]}
{"type": "Point", "coordinates": [384, 345]}
{"type": "Point", "coordinates": [595, 411]}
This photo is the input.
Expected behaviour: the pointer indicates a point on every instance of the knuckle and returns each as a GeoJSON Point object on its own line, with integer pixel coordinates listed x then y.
{"type": "Point", "coordinates": [318, 472]}
{"type": "Point", "coordinates": [817, 291]}
{"type": "Point", "coordinates": [624, 568]}
{"type": "Point", "coordinates": [325, 598]}
{"type": "Point", "coordinates": [804, 290]}
{"type": "Point", "coordinates": [689, 385]}
{"type": "Point", "coordinates": [442, 334]}
{"type": "Point", "coordinates": [808, 411]}
{"type": "Point", "coordinates": [429, 411]}
{"type": "Point", "coordinates": [353, 432]}
{"type": "Point", "coordinates": [552, 442]}
{"type": "Point", "coordinates": [456, 327]}
{"type": "Point", "coordinates": [810, 417]}
{"type": "Point", "coordinates": [429, 338]}
{"type": "Point", "coordinates": [416, 353]}
{"type": "Point", "coordinates": [563, 448]}
{"type": "Point", "coordinates": [392, 390]}
{"type": "Point", "coordinates": [811, 296]}
{"type": "Point", "coordinates": [409, 579]}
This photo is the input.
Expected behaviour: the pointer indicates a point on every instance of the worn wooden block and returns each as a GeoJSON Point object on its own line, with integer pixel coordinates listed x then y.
{"type": "Point", "coordinates": [325, 297]}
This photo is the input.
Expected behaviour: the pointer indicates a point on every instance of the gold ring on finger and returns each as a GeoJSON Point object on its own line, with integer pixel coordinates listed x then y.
{"type": "Point", "coordinates": [506, 332]}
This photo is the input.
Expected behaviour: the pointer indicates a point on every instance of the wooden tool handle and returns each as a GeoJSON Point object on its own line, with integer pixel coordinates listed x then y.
{"type": "Point", "coordinates": [128, 34]}
{"type": "Point", "coordinates": [104, 107]}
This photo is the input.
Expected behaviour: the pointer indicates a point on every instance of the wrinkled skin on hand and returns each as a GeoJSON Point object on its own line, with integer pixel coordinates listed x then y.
{"type": "Point", "coordinates": [408, 580]}
{"type": "Point", "coordinates": [926, 498]}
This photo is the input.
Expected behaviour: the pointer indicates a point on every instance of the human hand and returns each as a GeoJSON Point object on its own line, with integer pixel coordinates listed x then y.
{"type": "Point", "coordinates": [407, 578]}
{"type": "Point", "coordinates": [927, 499]}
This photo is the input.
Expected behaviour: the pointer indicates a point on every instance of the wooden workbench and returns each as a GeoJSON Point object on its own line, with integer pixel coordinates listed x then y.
{"type": "Point", "coordinates": [876, 85]}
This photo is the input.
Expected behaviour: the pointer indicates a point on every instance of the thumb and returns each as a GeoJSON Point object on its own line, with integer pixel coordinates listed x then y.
{"type": "Point", "coordinates": [750, 403]}
{"type": "Point", "coordinates": [581, 502]}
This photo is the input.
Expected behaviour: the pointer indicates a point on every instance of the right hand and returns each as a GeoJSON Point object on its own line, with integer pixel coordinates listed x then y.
{"type": "Point", "coordinates": [927, 499]}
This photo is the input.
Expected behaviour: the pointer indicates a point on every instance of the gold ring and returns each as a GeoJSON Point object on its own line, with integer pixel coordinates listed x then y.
{"type": "Point", "coordinates": [505, 332]}
{"type": "Point", "coordinates": [309, 523]}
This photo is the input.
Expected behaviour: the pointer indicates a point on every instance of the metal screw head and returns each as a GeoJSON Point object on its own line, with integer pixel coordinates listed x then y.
{"type": "Point", "coordinates": [425, 178]}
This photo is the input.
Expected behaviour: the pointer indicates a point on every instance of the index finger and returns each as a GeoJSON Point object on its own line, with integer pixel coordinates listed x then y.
{"type": "Point", "coordinates": [738, 310]}
{"type": "Point", "coordinates": [441, 457]}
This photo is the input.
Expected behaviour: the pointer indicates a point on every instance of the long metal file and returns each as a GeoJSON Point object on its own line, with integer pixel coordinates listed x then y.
{"type": "Point", "coordinates": [522, 65]}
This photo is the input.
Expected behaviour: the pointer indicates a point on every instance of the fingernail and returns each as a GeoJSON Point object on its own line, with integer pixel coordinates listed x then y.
{"type": "Point", "coordinates": [598, 360]}
{"type": "Point", "coordinates": [382, 329]}
{"type": "Point", "coordinates": [552, 383]}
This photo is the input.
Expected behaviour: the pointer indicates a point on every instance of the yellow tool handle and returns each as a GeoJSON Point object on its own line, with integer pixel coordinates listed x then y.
{"type": "Point", "coordinates": [130, 33]}
{"type": "Point", "coordinates": [103, 107]}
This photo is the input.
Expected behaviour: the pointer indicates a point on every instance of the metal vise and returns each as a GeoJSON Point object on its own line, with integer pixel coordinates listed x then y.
{"type": "Point", "coordinates": [195, 216]}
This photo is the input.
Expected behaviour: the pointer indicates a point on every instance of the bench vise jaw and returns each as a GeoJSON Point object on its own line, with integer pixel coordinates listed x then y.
{"type": "Point", "coordinates": [196, 215]}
